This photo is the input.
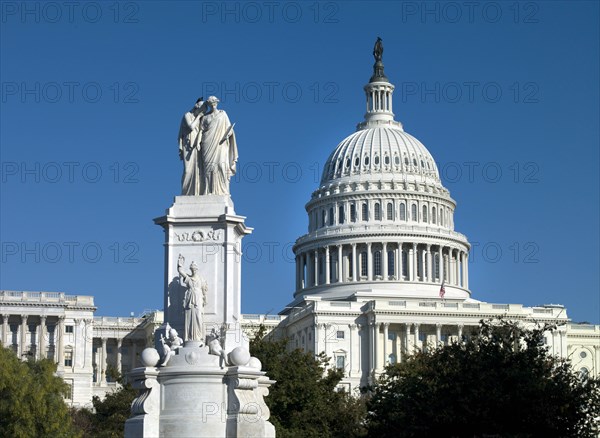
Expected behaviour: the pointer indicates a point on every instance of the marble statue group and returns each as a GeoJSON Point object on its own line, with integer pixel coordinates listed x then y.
{"type": "Point", "coordinates": [208, 149]}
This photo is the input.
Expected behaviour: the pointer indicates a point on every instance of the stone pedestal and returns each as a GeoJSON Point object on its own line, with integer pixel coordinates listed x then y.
{"type": "Point", "coordinates": [195, 397]}
{"type": "Point", "coordinates": [208, 387]}
{"type": "Point", "coordinates": [206, 230]}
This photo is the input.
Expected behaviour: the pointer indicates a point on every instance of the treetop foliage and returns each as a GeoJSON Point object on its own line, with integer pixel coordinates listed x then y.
{"type": "Point", "coordinates": [500, 383]}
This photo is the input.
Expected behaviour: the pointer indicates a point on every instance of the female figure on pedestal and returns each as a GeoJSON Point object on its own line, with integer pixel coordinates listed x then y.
{"type": "Point", "coordinates": [218, 149]}
{"type": "Point", "coordinates": [193, 301]}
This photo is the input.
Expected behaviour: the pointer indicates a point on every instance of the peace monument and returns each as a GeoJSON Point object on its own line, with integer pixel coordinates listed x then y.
{"type": "Point", "coordinates": [206, 384]}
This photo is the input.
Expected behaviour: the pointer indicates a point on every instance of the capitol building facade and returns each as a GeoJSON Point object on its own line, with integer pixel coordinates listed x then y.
{"type": "Point", "coordinates": [380, 272]}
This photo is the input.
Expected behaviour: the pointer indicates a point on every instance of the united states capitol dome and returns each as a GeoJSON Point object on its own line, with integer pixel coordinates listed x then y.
{"type": "Point", "coordinates": [381, 223]}
{"type": "Point", "coordinates": [380, 152]}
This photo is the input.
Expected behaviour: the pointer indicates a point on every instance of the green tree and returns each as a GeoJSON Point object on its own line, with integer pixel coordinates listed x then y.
{"type": "Point", "coordinates": [304, 401]}
{"type": "Point", "coordinates": [32, 399]}
{"type": "Point", "coordinates": [500, 383]}
{"type": "Point", "coordinates": [107, 420]}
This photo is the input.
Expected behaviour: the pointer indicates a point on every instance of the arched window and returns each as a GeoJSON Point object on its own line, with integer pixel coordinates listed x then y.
{"type": "Point", "coordinates": [376, 160]}
{"type": "Point", "coordinates": [402, 212]}
{"type": "Point", "coordinates": [390, 212]}
{"type": "Point", "coordinates": [322, 218]}
{"type": "Point", "coordinates": [377, 263]}
{"type": "Point", "coordinates": [365, 212]}
{"type": "Point", "coordinates": [363, 263]}
{"type": "Point", "coordinates": [341, 215]}
{"type": "Point", "coordinates": [352, 212]}
{"type": "Point", "coordinates": [413, 212]}
{"type": "Point", "coordinates": [424, 213]}
{"type": "Point", "coordinates": [330, 216]}
{"type": "Point", "coordinates": [433, 216]}
{"type": "Point", "coordinates": [391, 263]}
{"type": "Point", "coordinates": [386, 159]}
{"type": "Point", "coordinates": [441, 216]}
{"type": "Point", "coordinates": [405, 264]}
{"type": "Point", "coordinates": [377, 211]}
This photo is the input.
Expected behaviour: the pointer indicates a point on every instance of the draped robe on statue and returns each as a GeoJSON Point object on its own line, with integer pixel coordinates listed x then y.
{"type": "Point", "coordinates": [193, 305]}
{"type": "Point", "coordinates": [189, 143]}
{"type": "Point", "coordinates": [218, 157]}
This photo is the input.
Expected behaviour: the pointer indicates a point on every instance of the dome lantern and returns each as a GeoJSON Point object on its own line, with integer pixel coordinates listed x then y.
{"type": "Point", "coordinates": [379, 94]}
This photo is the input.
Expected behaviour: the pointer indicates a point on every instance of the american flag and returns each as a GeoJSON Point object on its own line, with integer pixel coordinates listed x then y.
{"type": "Point", "coordinates": [442, 290]}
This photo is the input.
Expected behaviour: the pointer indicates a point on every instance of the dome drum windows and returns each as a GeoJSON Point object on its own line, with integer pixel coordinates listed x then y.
{"type": "Point", "coordinates": [390, 211]}
{"type": "Point", "coordinates": [331, 218]}
{"type": "Point", "coordinates": [413, 212]}
{"type": "Point", "coordinates": [424, 214]}
{"type": "Point", "coordinates": [352, 212]}
{"type": "Point", "coordinates": [403, 211]}
{"type": "Point", "coordinates": [377, 211]}
{"type": "Point", "coordinates": [365, 212]}
{"type": "Point", "coordinates": [341, 215]}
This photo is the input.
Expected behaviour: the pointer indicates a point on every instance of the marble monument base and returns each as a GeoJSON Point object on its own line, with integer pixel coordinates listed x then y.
{"type": "Point", "coordinates": [196, 395]}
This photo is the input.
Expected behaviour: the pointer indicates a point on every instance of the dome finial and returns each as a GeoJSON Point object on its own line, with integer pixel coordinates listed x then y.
{"type": "Point", "coordinates": [378, 74]}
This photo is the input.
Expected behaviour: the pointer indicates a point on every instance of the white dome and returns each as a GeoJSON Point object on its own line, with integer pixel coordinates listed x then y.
{"type": "Point", "coordinates": [381, 153]}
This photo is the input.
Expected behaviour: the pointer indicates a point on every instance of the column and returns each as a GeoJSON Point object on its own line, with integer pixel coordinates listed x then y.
{"type": "Point", "coordinates": [407, 339]}
{"type": "Point", "coordinates": [316, 268]}
{"type": "Point", "coordinates": [41, 353]}
{"type": "Point", "coordinates": [423, 265]}
{"type": "Point", "coordinates": [438, 334]}
{"type": "Point", "coordinates": [373, 345]}
{"type": "Point", "coordinates": [460, 331]}
{"type": "Point", "coordinates": [441, 262]}
{"type": "Point", "coordinates": [429, 277]}
{"type": "Point", "coordinates": [119, 358]}
{"type": "Point", "coordinates": [316, 340]}
{"type": "Point", "coordinates": [298, 272]}
{"type": "Point", "coordinates": [359, 338]}
{"type": "Point", "coordinates": [77, 351]}
{"type": "Point", "coordinates": [384, 261]}
{"type": "Point", "coordinates": [23, 340]}
{"type": "Point", "coordinates": [60, 333]}
{"type": "Point", "coordinates": [352, 351]}
{"type": "Point", "coordinates": [355, 273]}
{"type": "Point", "coordinates": [5, 329]}
{"type": "Point", "coordinates": [102, 365]}
{"type": "Point", "coordinates": [457, 268]}
{"type": "Point", "coordinates": [369, 263]}
{"type": "Point", "coordinates": [416, 336]}
{"type": "Point", "coordinates": [399, 258]}
{"type": "Point", "coordinates": [414, 264]}
{"type": "Point", "coordinates": [303, 264]}
{"type": "Point", "coordinates": [449, 267]}
{"type": "Point", "coordinates": [327, 266]}
{"type": "Point", "coordinates": [340, 265]}
{"type": "Point", "coordinates": [466, 285]}
{"type": "Point", "coordinates": [409, 265]}
{"type": "Point", "coordinates": [386, 326]}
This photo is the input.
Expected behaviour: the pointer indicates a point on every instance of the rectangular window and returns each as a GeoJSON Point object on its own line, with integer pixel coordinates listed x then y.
{"type": "Point", "coordinates": [340, 334]}
{"type": "Point", "coordinates": [68, 358]}
{"type": "Point", "coordinates": [340, 362]}
{"type": "Point", "coordinates": [391, 263]}
{"type": "Point", "coordinates": [353, 213]}
{"type": "Point", "coordinates": [392, 336]}
{"type": "Point", "coordinates": [377, 262]}
{"type": "Point", "coordinates": [363, 264]}
{"type": "Point", "coordinates": [69, 329]}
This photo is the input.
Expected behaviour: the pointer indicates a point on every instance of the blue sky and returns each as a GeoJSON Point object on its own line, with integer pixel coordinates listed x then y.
{"type": "Point", "coordinates": [504, 95]}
